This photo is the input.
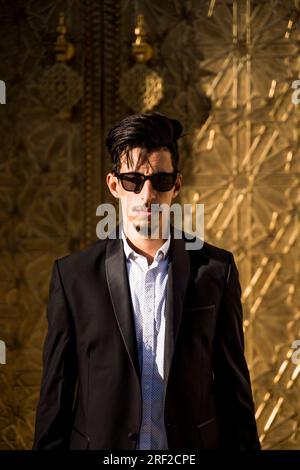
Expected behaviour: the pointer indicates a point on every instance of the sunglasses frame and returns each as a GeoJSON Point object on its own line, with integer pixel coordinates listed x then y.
{"type": "Point", "coordinates": [145, 178]}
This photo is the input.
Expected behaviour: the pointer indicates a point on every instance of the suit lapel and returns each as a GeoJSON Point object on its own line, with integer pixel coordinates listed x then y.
{"type": "Point", "coordinates": [118, 286]}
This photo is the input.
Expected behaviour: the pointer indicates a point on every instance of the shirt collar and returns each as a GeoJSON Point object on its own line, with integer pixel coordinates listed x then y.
{"type": "Point", "coordinates": [161, 253]}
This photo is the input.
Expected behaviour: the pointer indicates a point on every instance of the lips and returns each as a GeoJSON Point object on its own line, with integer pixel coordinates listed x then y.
{"type": "Point", "coordinates": [144, 213]}
{"type": "Point", "coordinates": [145, 210]}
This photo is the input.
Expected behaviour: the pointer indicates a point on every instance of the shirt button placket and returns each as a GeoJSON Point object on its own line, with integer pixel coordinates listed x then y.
{"type": "Point", "coordinates": [148, 332]}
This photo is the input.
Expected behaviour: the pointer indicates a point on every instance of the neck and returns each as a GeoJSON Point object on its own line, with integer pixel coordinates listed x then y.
{"type": "Point", "coordinates": [144, 246]}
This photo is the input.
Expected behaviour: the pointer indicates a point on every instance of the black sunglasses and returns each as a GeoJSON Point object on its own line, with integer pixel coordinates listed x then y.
{"type": "Point", "coordinates": [135, 181]}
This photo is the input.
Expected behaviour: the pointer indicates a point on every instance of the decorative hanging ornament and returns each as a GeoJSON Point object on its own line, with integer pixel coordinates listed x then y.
{"type": "Point", "coordinates": [141, 87]}
{"type": "Point", "coordinates": [61, 87]}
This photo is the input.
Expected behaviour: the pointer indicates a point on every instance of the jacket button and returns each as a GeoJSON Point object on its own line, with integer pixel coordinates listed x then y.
{"type": "Point", "coordinates": [133, 436]}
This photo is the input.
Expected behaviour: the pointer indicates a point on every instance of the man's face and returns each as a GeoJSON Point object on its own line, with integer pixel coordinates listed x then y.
{"type": "Point", "coordinates": [136, 207]}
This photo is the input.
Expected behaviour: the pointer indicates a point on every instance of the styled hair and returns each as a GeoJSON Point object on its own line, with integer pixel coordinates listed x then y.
{"type": "Point", "coordinates": [149, 131]}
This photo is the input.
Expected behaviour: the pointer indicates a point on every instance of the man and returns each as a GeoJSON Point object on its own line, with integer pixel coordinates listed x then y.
{"type": "Point", "coordinates": [145, 341]}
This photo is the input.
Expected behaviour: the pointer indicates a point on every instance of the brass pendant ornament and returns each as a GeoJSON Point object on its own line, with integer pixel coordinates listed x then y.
{"type": "Point", "coordinates": [141, 88]}
{"type": "Point", "coordinates": [61, 87]}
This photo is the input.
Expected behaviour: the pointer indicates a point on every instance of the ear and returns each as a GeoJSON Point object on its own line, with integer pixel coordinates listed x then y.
{"type": "Point", "coordinates": [177, 186]}
{"type": "Point", "coordinates": [113, 184]}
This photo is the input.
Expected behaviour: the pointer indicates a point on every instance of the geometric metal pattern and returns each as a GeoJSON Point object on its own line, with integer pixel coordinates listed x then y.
{"type": "Point", "coordinates": [245, 164]}
{"type": "Point", "coordinates": [41, 215]}
{"type": "Point", "coordinates": [141, 88]}
{"type": "Point", "coordinates": [61, 88]}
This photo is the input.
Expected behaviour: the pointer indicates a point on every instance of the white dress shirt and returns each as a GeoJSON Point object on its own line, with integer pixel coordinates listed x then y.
{"type": "Point", "coordinates": [148, 288]}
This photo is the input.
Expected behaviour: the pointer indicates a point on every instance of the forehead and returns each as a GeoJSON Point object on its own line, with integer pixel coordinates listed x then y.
{"type": "Point", "coordinates": [139, 160]}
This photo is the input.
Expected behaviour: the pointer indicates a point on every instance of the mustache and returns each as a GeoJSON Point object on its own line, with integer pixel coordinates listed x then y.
{"type": "Point", "coordinates": [154, 207]}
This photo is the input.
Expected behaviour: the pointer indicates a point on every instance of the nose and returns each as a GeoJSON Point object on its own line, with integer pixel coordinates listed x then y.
{"type": "Point", "coordinates": [148, 193]}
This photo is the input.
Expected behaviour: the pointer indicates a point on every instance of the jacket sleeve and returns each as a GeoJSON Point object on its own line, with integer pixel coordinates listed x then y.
{"type": "Point", "coordinates": [54, 412]}
{"type": "Point", "coordinates": [235, 407]}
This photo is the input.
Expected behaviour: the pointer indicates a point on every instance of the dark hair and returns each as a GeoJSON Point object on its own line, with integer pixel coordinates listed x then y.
{"type": "Point", "coordinates": [150, 131]}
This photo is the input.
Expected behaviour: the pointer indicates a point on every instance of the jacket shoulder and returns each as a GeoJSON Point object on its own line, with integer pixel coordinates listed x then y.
{"type": "Point", "coordinates": [211, 255]}
{"type": "Point", "coordinates": [218, 259]}
{"type": "Point", "coordinates": [217, 253]}
{"type": "Point", "coordinates": [203, 249]}
{"type": "Point", "coordinates": [83, 258]}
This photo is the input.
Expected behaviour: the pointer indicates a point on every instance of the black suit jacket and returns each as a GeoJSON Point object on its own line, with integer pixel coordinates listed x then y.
{"type": "Point", "coordinates": [91, 393]}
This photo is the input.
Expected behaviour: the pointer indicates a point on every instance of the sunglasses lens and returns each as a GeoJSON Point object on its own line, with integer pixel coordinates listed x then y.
{"type": "Point", "coordinates": [132, 182]}
{"type": "Point", "coordinates": [163, 181]}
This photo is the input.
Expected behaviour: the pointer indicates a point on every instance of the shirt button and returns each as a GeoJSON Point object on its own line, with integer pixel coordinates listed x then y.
{"type": "Point", "coordinates": [146, 387]}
